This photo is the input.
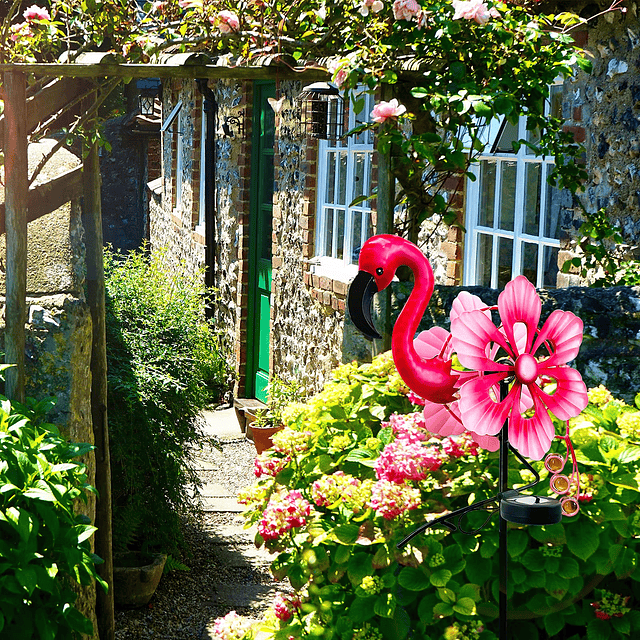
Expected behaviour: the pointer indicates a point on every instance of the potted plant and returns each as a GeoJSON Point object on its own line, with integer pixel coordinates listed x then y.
{"type": "Point", "coordinates": [261, 424]}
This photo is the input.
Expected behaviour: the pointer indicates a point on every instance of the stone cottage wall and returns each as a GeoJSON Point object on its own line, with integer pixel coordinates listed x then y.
{"type": "Point", "coordinates": [610, 352]}
{"type": "Point", "coordinates": [608, 103]}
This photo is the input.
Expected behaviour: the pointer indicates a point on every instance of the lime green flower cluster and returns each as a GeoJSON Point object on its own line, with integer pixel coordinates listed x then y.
{"type": "Point", "coordinates": [613, 604]}
{"type": "Point", "coordinates": [373, 444]}
{"type": "Point", "coordinates": [367, 632]}
{"type": "Point", "coordinates": [467, 631]}
{"type": "Point", "coordinates": [371, 585]}
{"type": "Point", "coordinates": [629, 423]}
{"type": "Point", "coordinates": [599, 396]}
{"type": "Point", "coordinates": [436, 560]}
{"type": "Point", "coordinates": [341, 442]}
{"type": "Point", "coordinates": [551, 551]}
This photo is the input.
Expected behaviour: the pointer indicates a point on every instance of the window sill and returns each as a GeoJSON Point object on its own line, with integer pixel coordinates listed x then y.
{"type": "Point", "coordinates": [333, 269]}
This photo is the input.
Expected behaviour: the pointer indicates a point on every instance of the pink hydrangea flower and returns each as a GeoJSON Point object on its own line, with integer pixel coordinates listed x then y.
{"type": "Point", "coordinates": [474, 10]}
{"type": "Point", "coordinates": [285, 606]}
{"type": "Point", "coordinates": [34, 12]}
{"type": "Point", "coordinates": [531, 357]}
{"type": "Point", "coordinates": [409, 426]}
{"type": "Point", "coordinates": [328, 489]}
{"type": "Point", "coordinates": [375, 6]}
{"type": "Point", "coordinates": [385, 110]}
{"type": "Point", "coordinates": [284, 512]}
{"type": "Point", "coordinates": [231, 627]}
{"type": "Point", "coordinates": [227, 21]}
{"type": "Point", "coordinates": [402, 460]}
{"type": "Point", "coordinates": [390, 499]}
{"type": "Point", "coordinates": [406, 9]}
{"type": "Point", "coordinates": [266, 464]}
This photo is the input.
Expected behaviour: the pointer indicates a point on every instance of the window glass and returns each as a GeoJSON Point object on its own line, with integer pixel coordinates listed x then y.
{"type": "Point", "coordinates": [345, 168]}
{"type": "Point", "coordinates": [513, 215]}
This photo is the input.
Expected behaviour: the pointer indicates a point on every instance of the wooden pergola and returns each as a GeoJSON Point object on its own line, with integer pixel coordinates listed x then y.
{"type": "Point", "coordinates": [24, 204]}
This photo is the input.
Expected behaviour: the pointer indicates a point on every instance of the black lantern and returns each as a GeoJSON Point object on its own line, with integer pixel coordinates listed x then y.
{"type": "Point", "coordinates": [147, 98]}
{"type": "Point", "coordinates": [324, 114]}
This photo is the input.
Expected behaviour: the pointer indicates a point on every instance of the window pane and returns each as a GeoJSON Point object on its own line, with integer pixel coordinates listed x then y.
{"type": "Point", "coordinates": [552, 213]}
{"type": "Point", "coordinates": [359, 182]}
{"type": "Point", "coordinates": [356, 235]}
{"type": "Point", "coordinates": [550, 266]}
{"type": "Point", "coordinates": [340, 235]}
{"type": "Point", "coordinates": [487, 193]}
{"type": "Point", "coordinates": [505, 257]}
{"type": "Point", "coordinates": [483, 265]}
{"type": "Point", "coordinates": [507, 195]}
{"type": "Point", "coordinates": [508, 136]}
{"type": "Point", "coordinates": [331, 178]}
{"type": "Point", "coordinates": [532, 199]}
{"type": "Point", "coordinates": [529, 267]}
{"type": "Point", "coordinates": [342, 179]}
{"type": "Point", "coordinates": [328, 238]}
{"type": "Point", "coordinates": [555, 98]}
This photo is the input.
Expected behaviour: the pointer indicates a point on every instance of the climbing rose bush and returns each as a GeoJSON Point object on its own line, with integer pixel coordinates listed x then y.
{"type": "Point", "coordinates": [336, 510]}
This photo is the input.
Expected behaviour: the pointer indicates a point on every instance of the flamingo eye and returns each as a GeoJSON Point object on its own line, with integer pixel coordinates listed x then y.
{"type": "Point", "coordinates": [379, 271]}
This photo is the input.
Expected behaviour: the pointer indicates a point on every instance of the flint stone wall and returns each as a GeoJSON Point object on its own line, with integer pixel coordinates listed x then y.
{"type": "Point", "coordinates": [59, 328]}
{"type": "Point", "coordinates": [610, 352]}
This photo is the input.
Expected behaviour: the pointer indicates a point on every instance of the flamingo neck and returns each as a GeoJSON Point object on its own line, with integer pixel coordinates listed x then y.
{"type": "Point", "coordinates": [431, 379]}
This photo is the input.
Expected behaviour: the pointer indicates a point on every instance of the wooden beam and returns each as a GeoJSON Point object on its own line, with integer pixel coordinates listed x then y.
{"type": "Point", "coordinates": [104, 70]}
{"type": "Point", "coordinates": [16, 193]}
{"type": "Point", "coordinates": [53, 97]}
{"type": "Point", "coordinates": [92, 221]}
{"type": "Point", "coordinates": [48, 197]}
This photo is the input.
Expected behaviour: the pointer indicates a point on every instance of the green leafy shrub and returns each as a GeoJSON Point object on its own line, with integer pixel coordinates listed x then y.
{"type": "Point", "coordinates": [44, 544]}
{"type": "Point", "coordinates": [355, 471]}
{"type": "Point", "coordinates": [164, 366]}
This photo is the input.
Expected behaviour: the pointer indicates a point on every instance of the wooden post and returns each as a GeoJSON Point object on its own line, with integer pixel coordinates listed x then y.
{"type": "Point", "coordinates": [16, 193]}
{"type": "Point", "coordinates": [92, 221]}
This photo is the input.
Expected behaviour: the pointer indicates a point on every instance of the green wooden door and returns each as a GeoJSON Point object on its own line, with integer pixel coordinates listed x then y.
{"type": "Point", "coordinates": [260, 225]}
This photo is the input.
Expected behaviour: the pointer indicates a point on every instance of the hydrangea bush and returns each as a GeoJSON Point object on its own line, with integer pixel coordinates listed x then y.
{"type": "Point", "coordinates": [355, 471]}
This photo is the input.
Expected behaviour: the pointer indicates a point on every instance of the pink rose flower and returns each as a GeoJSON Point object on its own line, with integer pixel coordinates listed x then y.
{"type": "Point", "coordinates": [384, 110]}
{"type": "Point", "coordinates": [474, 10]}
{"type": "Point", "coordinates": [374, 5]}
{"type": "Point", "coordinates": [405, 9]}
{"type": "Point", "coordinates": [227, 21]}
{"type": "Point", "coordinates": [35, 12]}
{"type": "Point", "coordinates": [22, 30]}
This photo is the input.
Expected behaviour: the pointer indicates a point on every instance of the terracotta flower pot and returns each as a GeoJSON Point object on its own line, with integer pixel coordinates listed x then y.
{"type": "Point", "coordinates": [136, 576]}
{"type": "Point", "coordinates": [262, 437]}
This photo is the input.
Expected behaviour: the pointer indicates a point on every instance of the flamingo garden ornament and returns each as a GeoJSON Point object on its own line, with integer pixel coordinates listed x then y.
{"type": "Point", "coordinates": [529, 359]}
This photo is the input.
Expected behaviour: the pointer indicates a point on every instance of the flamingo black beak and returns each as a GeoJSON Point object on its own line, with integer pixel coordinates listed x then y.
{"type": "Point", "coordinates": [360, 302]}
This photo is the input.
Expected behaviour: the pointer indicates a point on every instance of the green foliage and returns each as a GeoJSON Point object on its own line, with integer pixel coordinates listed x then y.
{"type": "Point", "coordinates": [601, 256]}
{"type": "Point", "coordinates": [45, 545]}
{"type": "Point", "coordinates": [280, 393]}
{"type": "Point", "coordinates": [343, 556]}
{"type": "Point", "coordinates": [165, 365]}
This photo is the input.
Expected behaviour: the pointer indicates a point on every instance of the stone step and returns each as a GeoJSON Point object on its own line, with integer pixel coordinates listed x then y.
{"type": "Point", "coordinates": [221, 505]}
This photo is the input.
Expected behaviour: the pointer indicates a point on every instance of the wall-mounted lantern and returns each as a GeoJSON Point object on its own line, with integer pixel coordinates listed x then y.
{"type": "Point", "coordinates": [233, 121]}
{"type": "Point", "coordinates": [324, 113]}
{"type": "Point", "coordinates": [148, 94]}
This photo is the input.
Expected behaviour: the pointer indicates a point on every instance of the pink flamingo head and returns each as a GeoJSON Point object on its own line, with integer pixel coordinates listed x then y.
{"type": "Point", "coordinates": [380, 258]}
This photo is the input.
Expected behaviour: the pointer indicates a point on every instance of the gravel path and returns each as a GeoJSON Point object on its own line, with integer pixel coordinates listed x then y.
{"type": "Point", "coordinates": [224, 564]}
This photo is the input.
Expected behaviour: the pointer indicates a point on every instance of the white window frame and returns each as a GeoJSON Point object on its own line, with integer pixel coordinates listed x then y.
{"type": "Point", "coordinates": [343, 269]}
{"type": "Point", "coordinates": [518, 236]}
